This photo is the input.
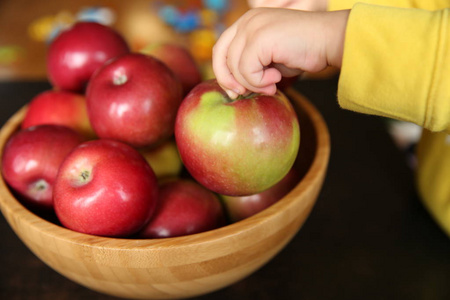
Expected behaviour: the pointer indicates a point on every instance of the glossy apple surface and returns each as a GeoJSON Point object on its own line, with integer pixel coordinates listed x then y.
{"type": "Point", "coordinates": [31, 160]}
{"type": "Point", "coordinates": [75, 54]}
{"type": "Point", "coordinates": [184, 207]}
{"type": "Point", "coordinates": [134, 99]}
{"type": "Point", "coordinates": [179, 60]}
{"type": "Point", "coordinates": [60, 108]}
{"type": "Point", "coordinates": [239, 208]}
{"type": "Point", "coordinates": [105, 188]}
{"type": "Point", "coordinates": [236, 147]}
{"type": "Point", "coordinates": [164, 160]}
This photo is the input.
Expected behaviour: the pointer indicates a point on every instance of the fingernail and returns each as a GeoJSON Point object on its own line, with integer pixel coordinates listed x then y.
{"type": "Point", "coordinates": [232, 94]}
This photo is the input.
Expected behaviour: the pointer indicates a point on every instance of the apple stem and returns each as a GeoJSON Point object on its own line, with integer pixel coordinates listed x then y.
{"type": "Point", "coordinates": [40, 185]}
{"type": "Point", "coordinates": [249, 96]}
{"type": "Point", "coordinates": [85, 175]}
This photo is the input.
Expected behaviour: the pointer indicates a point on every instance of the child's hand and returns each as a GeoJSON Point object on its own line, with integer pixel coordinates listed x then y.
{"type": "Point", "coordinates": [268, 43]}
{"type": "Point", "coordinates": [312, 5]}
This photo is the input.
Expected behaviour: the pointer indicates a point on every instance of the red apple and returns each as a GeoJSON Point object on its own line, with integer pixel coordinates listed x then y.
{"type": "Point", "coordinates": [75, 54]}
{"type": "Point", "coordinates": [105, 188]}
{"type": "Point", "coordinates": [60, 108]}
{"type": "Point", "coordinates": [236, 147]}
{"type": "Point", "coordinates": [134, 98]}
{"type": "Point", "coordinates": [31, 160]}
{"type": "Point", "coordinates": [184, 207]}
{"type": "Point", "coordinates": [239, 208]}
{"type": "Point", "coordinates": [179, 60]}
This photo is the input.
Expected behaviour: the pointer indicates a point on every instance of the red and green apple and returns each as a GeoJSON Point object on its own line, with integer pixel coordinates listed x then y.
{"type": "Point", "coordinates": [236, 147]}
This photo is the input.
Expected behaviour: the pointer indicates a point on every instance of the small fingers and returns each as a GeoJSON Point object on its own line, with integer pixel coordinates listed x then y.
{"type": "Point", "coordinates": [269, 79]}
{"type": "Point", "coordinates": [221, 70]}
{"type": "Point", "coordinates": [242, 62]}
{"type": "Point", "coordinates": [255, 70]}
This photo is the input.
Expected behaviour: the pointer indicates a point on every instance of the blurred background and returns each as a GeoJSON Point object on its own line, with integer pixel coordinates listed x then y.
{"type": "Point", "coordinates": [27, 27]}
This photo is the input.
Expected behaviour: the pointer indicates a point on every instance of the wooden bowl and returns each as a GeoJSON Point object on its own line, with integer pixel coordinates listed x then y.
{"type": "Point", "coordinates": [178, 267]}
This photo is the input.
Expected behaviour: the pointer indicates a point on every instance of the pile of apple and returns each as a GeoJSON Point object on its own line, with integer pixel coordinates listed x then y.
{"type": "Point", "coordinates": [105, 148]}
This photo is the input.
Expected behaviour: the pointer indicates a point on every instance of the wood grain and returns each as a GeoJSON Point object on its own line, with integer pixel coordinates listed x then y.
{"type": "Point", "coordinates": [184, 266]}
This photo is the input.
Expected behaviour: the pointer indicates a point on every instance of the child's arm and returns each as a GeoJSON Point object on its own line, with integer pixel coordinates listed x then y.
{"type": "Point", "coordinates": [268, 43]}
{"type": "Point", "coordinates": [396, 64]}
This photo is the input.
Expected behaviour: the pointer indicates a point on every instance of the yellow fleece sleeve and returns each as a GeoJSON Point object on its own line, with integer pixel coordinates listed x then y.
{"type": "Point", "coordinates": [396, 64]}
{"type": "Point", "coordinates": [422, 4]}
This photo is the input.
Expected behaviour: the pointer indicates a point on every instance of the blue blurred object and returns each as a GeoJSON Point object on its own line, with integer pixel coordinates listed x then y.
{"type": "Point", "coordinates": [188, 21]}
{"type": "Point", "coordinates": [218, 5]}
{"type": "Point", "coordinates": [170, 14]}
{"type": "Point", "coordinates": [99, 14]}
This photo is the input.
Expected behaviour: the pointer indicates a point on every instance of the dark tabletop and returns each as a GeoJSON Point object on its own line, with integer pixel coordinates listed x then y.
{"type": "Point", "coordinates": [368, 237]}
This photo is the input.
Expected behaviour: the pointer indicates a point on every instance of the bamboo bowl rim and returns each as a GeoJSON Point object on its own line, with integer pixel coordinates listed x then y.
{"type": "Point", "coordinates": [11, 206]}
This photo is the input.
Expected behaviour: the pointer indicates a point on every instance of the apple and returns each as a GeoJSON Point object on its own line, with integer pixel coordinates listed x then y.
{"type": "Point", "coordinates": [134, 99]}
{"type": "Point", "coordinates": [184, 207]}
{"type": "Point", "coordinates": [60, 108]}
{"type": "Point", "coordinates": [106, 188]}
{"type": "Point", "coordinates": [164, 160]}
{"type": "Point", "coordinates": [31, 159]}
{"type": "Point", "coordinates": [179, 60]}
{"type": "Point", "coordinates": [76, 53]}
{"type": "Point", "coordinates": [239, 208]}
{"type": "Point", "coordinates": [236, 147]}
